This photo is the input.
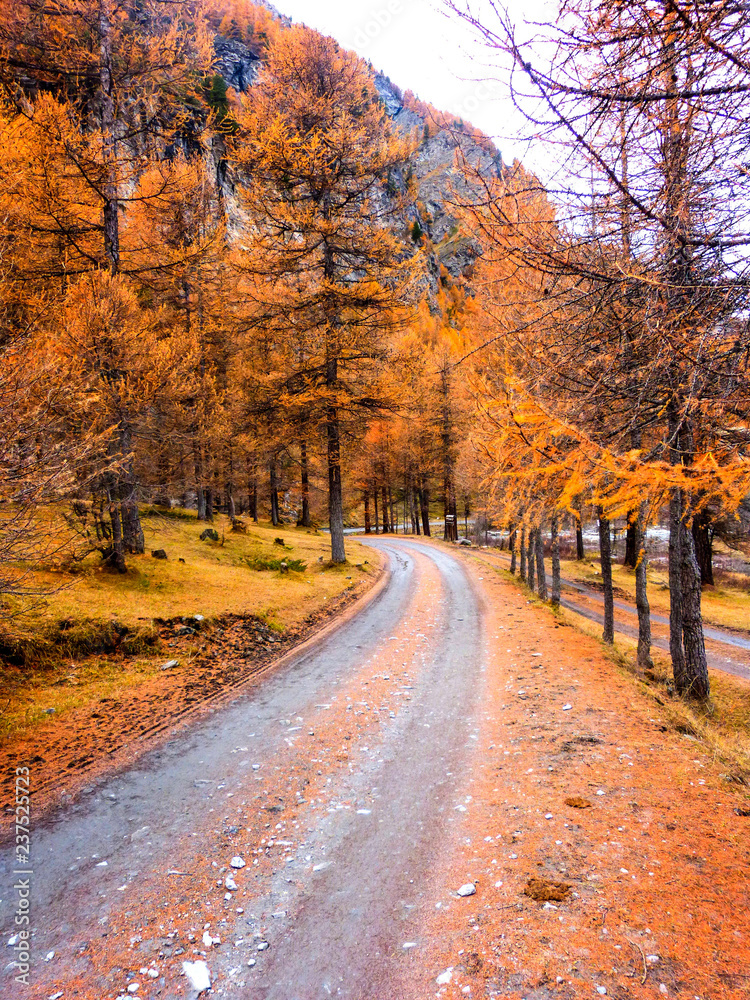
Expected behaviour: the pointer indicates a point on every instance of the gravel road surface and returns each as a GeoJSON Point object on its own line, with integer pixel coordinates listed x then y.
{"type": "Point", "coordinates": [335, 781]}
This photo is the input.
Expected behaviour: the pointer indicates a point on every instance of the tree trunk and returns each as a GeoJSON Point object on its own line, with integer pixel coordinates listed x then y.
{"type": "Point", "coordinates": [274, 485]}
{"type": "Point", "coordinates": [512, 546]}
{"type": "Point", "coordinates": [132, 532]}
{"type": "Point", "coordinates": [450, 530]}
{"type": "Point", "coordinates": [386, 524]}
{"type": "Point", "coordinates": [424, 504]}
{"type": "Point", "coordinates": [199, 494]}
{"type": "Point", "coordinates": [605, 554]}
{"type": "Point", "coordinates": [676, 650]}
{"type": "Point", "coordinates": [335, 494]}
{"type": "Point", "coordinates": [252, 495]}
{"type": "Point", "coordinates": [333, 428]}
{"type": "Point", "coordinates": [111, 207]}
{"type": "Point", "coordinates": [696, 668]}
{"type": "Point", "coordinates": [209, 503]}
{"type": "Point", "coordinates": [703, 539]}
{"type": "Point", "coordinates": [368, 525]}
{"type": "Point", "coordinates": [522, 546]}
{"type": "Point", "coordinates": [394, 525]}
{"type": "Point", "coordinates": [555, 537]}
{"type": "Point", "coordinates": [530, 556]}
{"type": "Point", "coordinates": [377, 520]}
{"type": "Point", "coordinates": [631, 553]}
{"type": "Point", "coordinates": [580, 551]}
{"type": "Point", "coordinates": [541, 573]}
{"type": "Point", "coordinates": [231, 507]}
{"type": "Point", "coordinates": [117, 557]}
{"type": "Point", "coordinates": [641, 593]}
{"type": "Point", "coordinates": [304, 520]}
{"type": "Point", "coordinates": [414, 508]}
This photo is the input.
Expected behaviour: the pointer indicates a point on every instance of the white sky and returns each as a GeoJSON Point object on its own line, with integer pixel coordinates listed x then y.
{"type": "Point", "coordinates": [421, 49]}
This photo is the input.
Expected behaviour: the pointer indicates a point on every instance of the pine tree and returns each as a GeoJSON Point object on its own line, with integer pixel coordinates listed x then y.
{"type": "Point", "coordinates": [316, 147]}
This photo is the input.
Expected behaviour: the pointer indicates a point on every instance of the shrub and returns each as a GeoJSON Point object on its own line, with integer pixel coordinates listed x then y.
{"type": "Point", "coordinates": [261, 563]}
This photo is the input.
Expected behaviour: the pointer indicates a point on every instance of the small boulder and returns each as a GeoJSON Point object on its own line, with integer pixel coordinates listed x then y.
{"type": "Point", "coordinates": [464, 541]}
{"type": "Point", "coordinates": [467, 890]}
{"type": "Point", "coordinates": [209, 535]}
{"type": "Point", "coordinates": [159, 554]}
{"type": "Point", "coordinates": [239, 526]}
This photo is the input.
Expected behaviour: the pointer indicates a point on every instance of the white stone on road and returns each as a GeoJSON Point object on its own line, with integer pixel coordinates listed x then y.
{"type": "Point", "coordinates": [198, 975]}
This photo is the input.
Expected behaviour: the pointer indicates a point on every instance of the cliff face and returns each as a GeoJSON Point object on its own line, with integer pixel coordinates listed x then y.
{"type": "Point", "coordinates": [236, 64]}
{"type": "Point", "coordinates": [439, 180]}
{"type": "Point", "coordinates": [428, 184]}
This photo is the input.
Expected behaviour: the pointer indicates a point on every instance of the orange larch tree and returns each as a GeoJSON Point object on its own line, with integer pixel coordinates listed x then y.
{"type": "Point", "coordinates": [315, 147]}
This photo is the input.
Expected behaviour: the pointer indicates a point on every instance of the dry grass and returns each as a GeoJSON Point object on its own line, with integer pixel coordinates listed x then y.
{"type": "Point", "coordinates": [95, 637]}
{"type": "Point", "coordinates": [36, 696]}
{"type": "Point", "coordinates": [216, 578]}
{"type": "Point", "coordinates": [723, 726]}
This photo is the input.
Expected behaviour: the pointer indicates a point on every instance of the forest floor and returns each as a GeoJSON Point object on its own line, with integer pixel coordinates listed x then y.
{"type": "Point", "coordinates": [455, 732]}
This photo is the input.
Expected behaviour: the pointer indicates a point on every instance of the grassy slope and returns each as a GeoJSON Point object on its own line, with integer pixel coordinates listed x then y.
{"type": "Point", "coordinates": [214, 580]}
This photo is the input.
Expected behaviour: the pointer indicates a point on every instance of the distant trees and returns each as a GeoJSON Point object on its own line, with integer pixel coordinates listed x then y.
{"type": "Point", "coordinates": [94, 93]}
{"type": "Point", "coordinates": [98, 85]}
{"type": "Point", "coordinates": [224, 298]}
{"type": "Point", "coordinates": [123, 364]}
{"type": "Point", "coordinates": [39, 464]}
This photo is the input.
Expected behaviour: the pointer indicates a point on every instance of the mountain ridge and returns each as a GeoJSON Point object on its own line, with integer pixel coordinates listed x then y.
{"type": "Point", "coordinates": [433, 167]}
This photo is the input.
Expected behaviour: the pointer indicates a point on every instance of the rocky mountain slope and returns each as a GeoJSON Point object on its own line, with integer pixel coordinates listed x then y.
{"type": "Point", "coordinates": [429, 182]}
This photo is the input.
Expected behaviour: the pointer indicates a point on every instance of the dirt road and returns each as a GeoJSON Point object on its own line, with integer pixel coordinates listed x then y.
{"type": "Point", "coordinates": [429, 743]}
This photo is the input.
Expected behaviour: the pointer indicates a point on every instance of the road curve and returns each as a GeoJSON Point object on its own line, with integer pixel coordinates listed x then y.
{"type": "Point", "coordinates": [355, 751]}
